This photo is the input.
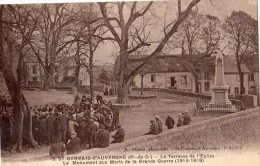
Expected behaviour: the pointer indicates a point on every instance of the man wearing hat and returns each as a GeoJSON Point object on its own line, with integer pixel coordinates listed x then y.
{"type": "Point", "coordinates": [159, 122]}
{"type": "Point", "coordinates": [186, 118]}
{"type": "Point", "coordinates": [102, 139]}
{"type": "Point", "coordinates": [92, 133]}
{"type": "Point", "coordinates": [180, 120]}
{"type": "Point", "coordinates": [62, 123]}
{"type": "Point", "coordinates": [154, 129]}
{"type": "Point", "coordinates": [169, 122]}
{"type": "Point", "coordinates": [82, 131]}
{"type": "Point", "coordinates": [50, 126]}
{"type": "Point", "coordinates": [35, 126]}
{"type": "Point", "coordinates": [120, 135]}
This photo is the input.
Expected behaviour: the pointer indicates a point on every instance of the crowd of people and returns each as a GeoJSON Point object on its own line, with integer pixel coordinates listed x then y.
{"type": "Point", "coordinates": [6, 121]}
{"type": "Point", "coordinates": [85, 124]}
{"type": "Point", "coordinates": [157, 125]}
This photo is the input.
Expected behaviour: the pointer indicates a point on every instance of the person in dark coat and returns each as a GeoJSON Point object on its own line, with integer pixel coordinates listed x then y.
{"type": "Point", "coordinates": [186, 118]}
{"type": "Point", "coordinates": [159, 122]}
{"type": "Point", "coordinates": [154, 129]}
{"type": "Point", "coordinates": [115, 117]}
{"type": "Point", "coordinates": [62, 124]}
{"type": "Point", "coordinates": [119, 136]}
{"type": "Point", "coordinates": [73, 145]}
{"type": "Point", "coordinates": [92, 133]}
{"type": "Point", "coordinates": [82, 132]}
{"type": "Point", "coordinates": [180, 120]}
{"type": "Point", "coordinates": [50, 126]}
{"type": "Point", "coordinates": [102, 139]}
{"type": "Point", "coordinates": [109, 120]}
{"type": "Point", "coordinates": [35, 126]}
{"type": "Point", "coordinates": [169, 122]}
{"type": "Point", "coordinates": [43, 130]}
{"type": "Point", "coordinates": [57, 149]}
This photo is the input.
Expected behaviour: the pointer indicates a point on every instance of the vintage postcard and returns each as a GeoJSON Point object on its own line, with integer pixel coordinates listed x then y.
{"type": "Point", "coordinates": [130, 83]}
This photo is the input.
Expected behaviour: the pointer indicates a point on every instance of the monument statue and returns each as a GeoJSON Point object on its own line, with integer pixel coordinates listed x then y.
{"type": "Point", "coordinates": [219, 100]}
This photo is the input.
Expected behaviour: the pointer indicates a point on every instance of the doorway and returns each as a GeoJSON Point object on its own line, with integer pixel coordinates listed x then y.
{"type": "Point", "coordinates": [173, 82]}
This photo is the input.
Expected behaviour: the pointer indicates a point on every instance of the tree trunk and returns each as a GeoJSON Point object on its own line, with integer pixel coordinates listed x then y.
{"type": "Point", "coordinates": [142, 84]}
{"type": "Point", "coordinates": [48, 78]}
{"type": "Point", "coordinates": [91, 81]}
{"type": "Point", "coordinates": [16, 95]}
{"type": "Point", "coordinates": [123, 94]}
{"type": "Point", "coordinates": [28, 135]}
{"type": "Point", "coordinates": [241, 80]}
{"type": "Point", "coordinates": [196, 82]}
{"type": "Point", "coordinates": [21, 113]}
{"type": "Point", "coordinates": [123, 89]}
{"type": "Point", "coordinates": [77, 70]}
{"type": "Point", "coordinates": [20, 70]}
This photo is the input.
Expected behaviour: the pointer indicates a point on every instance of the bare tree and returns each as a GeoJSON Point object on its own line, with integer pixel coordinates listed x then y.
{"type": "Point", "coordinates": [51, 38]}
{"type": "Point", "coordinates": [89, 36]}
{"type": "Point", "coordinates": [24, 27]}
{"type": "Point", "coordinates": [22, 114]}
{"type": "Point", "coordinates": [198, 38]}
{"type": "Point", "coordinates": [240, 28]}
{"type": "Point", "coordinates": [121, 27]}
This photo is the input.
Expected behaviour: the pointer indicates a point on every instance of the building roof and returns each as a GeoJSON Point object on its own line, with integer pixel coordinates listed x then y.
{"type": "Point", "coordinates": [231, 67]}
{"type": "Point", "coordinates": [253, 63]}
{"type": "Point", "coordinates": [171, 63]}
{"type": "Point", "coordinates": [158, 65]}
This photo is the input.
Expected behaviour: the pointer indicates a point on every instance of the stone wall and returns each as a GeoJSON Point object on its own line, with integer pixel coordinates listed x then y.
{"type": "Point", "coordinates": [231, 130]}
{"type": "Point", "coordinates": [249, 101]}
{"type": "Point", "coordinates": [237, 129]}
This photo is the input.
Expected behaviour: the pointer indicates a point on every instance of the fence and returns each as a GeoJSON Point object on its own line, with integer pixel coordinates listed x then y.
{"type": "Point", "coordinates": [204, 105]}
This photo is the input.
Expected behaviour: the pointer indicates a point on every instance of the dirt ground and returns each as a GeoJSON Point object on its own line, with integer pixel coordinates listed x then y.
{"type": "Point", "coordinates": [135, 121]}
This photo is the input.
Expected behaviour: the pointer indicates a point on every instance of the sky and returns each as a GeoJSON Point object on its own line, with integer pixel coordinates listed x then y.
{"type": "Point", "coordinates": [220, 8]}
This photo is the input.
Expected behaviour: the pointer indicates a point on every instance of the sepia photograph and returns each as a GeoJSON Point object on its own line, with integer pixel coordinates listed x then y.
{"type": "Point", "coordinates": [129, 83]}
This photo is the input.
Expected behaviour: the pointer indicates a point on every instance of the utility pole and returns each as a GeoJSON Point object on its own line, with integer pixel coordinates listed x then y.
{"type": "Point", "coordinates": [179, 7]}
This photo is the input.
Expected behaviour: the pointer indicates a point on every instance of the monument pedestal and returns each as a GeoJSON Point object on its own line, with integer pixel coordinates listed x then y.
{"type": "Point", "coordinates": [219, 100]}
{"type": "Point", "coordinates": [220, 95]}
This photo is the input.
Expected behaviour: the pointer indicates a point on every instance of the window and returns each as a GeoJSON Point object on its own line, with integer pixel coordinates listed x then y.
{"type": "Point", "coordinates": [236, 90]}
{"type": "Point", "coordinates": [184, 80]}
{"type": "Point", "coordinates": [251, 77]}
{"type": "Point", "coordinates": [207, 86]}
{"type": "Point", "coordinates": [229, 90]}
{"type": "Point", "coordinates": [34, 69]}
{"type": "Point", "coordinates": [153, 78]}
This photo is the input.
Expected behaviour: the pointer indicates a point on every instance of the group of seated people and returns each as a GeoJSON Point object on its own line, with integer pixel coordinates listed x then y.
{"type": "Point", "coordinates": [156, 124]}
